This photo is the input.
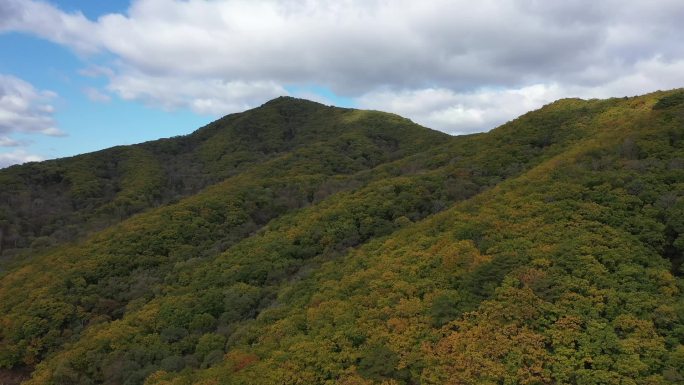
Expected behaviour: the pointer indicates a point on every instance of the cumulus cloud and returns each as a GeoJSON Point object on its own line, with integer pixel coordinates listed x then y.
{"type": "Point", "coordinates": [25, 109]}
{"type": "Point", "coordinates": [484, 108]}
{"type": "Point", "coordinates": [17, 157]}
{"type": "Point", "coordinates": [47, 21]}
{"type": "Point", "coordinates": [446, 63]}
{"type": "Point", "coordinates": [202, 95]}
{"type": "Point", "coordinates": [466, 112]}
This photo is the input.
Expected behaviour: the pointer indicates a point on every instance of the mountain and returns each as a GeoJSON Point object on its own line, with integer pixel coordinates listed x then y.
{"type": "Point", "coordinates": [297, 243]}
{"type": "Point", "coordinates": [53, 202]}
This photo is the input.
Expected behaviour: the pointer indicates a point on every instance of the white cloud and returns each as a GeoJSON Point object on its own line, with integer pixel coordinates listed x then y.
{"type": "Point", "coordinates": [656, 73]}
{"type": "Point", "coordinates": [48, 22]}
{"type": "Point", "coordinates": [25, 109]}
{"type": "Point", "coordinates": [485, 108]}
{"type": "Point", "coordinates": [202, 95]}
{"type": "Point", "coordinates": [96, 95]}
{"type": "Point", "coordinates": [462, 113]}
{"type": "Point", "coordinates": [6, 141]}
{"type": "Point", "coordinates": [455, 65]}
{"type": "Point", "coordinates": [17, 157]}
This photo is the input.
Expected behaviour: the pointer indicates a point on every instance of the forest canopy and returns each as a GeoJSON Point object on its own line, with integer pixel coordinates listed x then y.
{"type": "Point", "coordinates": [298, 243]}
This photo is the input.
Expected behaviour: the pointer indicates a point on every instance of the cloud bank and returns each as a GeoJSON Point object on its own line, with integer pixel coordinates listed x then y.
{"type": "Point", "coordinates": [17, 157]}
{"type": "Point", "coordinates": [24, 109]}
{"type": "Point", "coordinates": [455, 65]}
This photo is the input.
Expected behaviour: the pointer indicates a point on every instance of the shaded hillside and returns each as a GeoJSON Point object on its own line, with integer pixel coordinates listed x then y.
{"type": "Point", "coordinates": [544, 251]}
{"type": "Point", "coordinates": [49, 203]}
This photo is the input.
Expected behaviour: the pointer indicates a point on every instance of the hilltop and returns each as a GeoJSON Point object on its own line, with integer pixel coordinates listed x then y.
{"type": "Point", "coordinates": [298, 243]}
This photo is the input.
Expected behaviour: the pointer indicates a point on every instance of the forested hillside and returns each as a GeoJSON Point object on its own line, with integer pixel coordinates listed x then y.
{"type": "Point", "coordinates": [49, 203]}
{"type": "Point", "coordinates": [302, 244]}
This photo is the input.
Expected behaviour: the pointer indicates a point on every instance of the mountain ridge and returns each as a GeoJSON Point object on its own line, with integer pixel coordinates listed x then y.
{"type": "Point", "coordinates": [183, 165]}
{"type": "Point", "coordinates": [545, 251]}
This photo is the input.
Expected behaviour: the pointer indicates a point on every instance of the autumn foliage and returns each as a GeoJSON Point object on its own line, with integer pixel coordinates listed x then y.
{"type": "Point", "coordinates": [303, 244]}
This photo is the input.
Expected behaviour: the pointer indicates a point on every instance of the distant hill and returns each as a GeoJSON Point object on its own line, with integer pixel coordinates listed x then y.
{"type": "Point", "coordinates": [298, 243]}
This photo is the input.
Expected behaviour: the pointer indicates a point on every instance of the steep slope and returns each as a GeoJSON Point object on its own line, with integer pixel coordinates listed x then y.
{"type": "Point", "coordinates": [560, 275]}
{"type": "Point", "coordinates": [96, 281]}
{"type": "Point", "coordinates": [541, 252]}
{"type": "Point", "coordinates": [124, 262]}
{"type": "Point", "coordinates": [49, 203]}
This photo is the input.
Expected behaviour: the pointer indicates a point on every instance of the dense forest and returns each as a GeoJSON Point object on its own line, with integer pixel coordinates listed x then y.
{"type": "Point", "coordinates": [298, 243]}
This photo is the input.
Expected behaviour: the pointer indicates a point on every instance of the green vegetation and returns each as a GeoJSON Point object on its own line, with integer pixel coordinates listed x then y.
{"type": "Point", "coordinates": [302, 244]}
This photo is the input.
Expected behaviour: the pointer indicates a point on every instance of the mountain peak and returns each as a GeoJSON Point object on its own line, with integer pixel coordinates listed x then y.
{"type": "Point", "coordinates": [289, 101]}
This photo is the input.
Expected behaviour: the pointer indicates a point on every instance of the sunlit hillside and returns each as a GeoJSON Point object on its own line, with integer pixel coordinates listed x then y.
{"type": "Point", "coordinates": [298, 243]}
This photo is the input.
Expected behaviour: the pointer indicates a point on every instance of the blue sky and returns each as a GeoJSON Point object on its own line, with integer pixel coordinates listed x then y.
{"type": "Point", "coordinates": [95, 124]}
{"type": "Point", "coordinates": [82, 75]}
{"type": "Point", "coordinates": [89, 125]}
